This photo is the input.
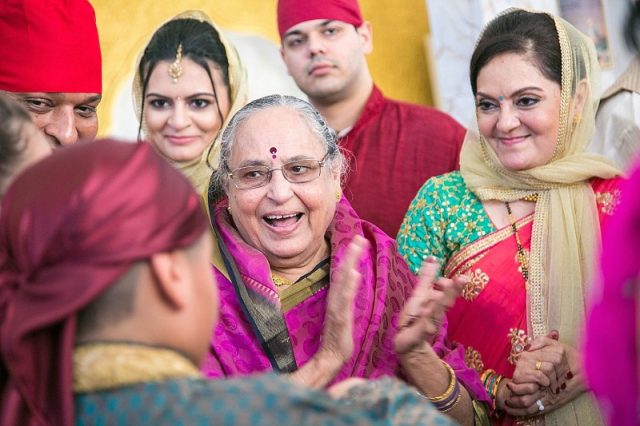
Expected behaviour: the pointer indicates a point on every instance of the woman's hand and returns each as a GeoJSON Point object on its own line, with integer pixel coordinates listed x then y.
{"type": "Point", "coordinates": [519, 400]}
{"type": "Point", "coordinates": [424, 312]}
{"type": "Point", "coordinates": [337, 334]}
{"type": "Point", "coordinates": [336, 346]}
{"type": "Point", "coordinates": [548, 371]}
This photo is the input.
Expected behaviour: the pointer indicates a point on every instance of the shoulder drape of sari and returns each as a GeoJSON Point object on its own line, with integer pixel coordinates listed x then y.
{"type": "Point", "coordinates": [386, 285]}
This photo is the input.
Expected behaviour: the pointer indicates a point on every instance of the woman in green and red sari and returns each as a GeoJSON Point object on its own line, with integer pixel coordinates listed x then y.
{"type": "Point", "coordinates": [522, 218]}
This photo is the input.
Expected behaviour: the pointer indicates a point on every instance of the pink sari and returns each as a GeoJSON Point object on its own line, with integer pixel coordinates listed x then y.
{"type": "Point", "coordinates": [243, 345]}
{"type": "Point", "coordinates": [612, 347]}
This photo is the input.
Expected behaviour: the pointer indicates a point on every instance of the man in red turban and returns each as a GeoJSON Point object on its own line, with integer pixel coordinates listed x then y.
{"type": "Point", "coordinates": [51, 63]}
{"type": "Point", "coordinates": [107, 305]}
{"type": "Point", "coordinates": [396, 146]}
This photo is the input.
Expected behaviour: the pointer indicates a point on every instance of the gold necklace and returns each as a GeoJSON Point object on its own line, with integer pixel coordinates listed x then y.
{"type": "Point", "coordinates": [522, 258]}
{"type": "Point", "coordinates": [280, 281]}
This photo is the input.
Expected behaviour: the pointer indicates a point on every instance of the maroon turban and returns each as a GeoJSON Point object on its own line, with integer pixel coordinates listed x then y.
{"type": "Point", "coordinates": [292, 12]}
{"type": "Point", "coordinates": [70, 226]}
{"type": "Point", "coordinates": [49, 46]}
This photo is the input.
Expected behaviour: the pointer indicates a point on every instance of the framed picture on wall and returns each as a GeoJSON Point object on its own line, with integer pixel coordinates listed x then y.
{"type": "Point", "coordinates": [588, 16]}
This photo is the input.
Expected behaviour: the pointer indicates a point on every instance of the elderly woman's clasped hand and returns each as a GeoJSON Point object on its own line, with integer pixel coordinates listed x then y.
{"type": "Point", "coordinates": [547, 375]}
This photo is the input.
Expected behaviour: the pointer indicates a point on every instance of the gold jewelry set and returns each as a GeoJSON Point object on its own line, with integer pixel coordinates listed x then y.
{"type": "Point", "coordinates": [280, 281]}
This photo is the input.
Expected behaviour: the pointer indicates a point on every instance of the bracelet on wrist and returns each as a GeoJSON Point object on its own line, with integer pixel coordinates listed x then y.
{"type": "Point", "coordinates": [491, 381]}
{"type": "Point", "coordinates": [450, 397]}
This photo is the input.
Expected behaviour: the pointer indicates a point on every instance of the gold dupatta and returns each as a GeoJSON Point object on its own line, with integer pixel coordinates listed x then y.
{"type": "Point", "coordinates": [199, 170]}
{"type": "Point", "coordinates": [566, 231]}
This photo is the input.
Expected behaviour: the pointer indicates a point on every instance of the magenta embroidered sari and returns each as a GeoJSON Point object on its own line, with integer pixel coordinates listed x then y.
{"type": "Point", "coordinates": [239, 346]}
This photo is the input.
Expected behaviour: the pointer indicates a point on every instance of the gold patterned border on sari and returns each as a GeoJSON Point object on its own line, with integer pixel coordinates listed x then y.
{"type": "Point", "coordinates": [305, 287]}
{"type": "Point", "coordinates": [473, 252]}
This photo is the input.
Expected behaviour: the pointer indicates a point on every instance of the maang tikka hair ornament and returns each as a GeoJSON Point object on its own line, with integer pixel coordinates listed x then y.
{"type": "Point", "coordinates": [175, 69]}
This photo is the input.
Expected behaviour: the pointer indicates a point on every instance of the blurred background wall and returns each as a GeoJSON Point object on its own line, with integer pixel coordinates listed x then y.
{"type": "Point", "coordinates": [398, 62]}
{"type": "Point", "coordinates": [456, 25]}
{"type": "Point", "coordinates": [421, 47]}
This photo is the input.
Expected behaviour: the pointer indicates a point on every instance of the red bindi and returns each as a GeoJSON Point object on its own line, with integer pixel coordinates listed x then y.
{"type": "Point", "coordinates": [273, 150]}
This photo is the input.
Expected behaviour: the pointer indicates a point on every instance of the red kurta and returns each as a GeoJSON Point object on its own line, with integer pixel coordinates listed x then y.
{"type": "Point", "coordinates": [396, 147]}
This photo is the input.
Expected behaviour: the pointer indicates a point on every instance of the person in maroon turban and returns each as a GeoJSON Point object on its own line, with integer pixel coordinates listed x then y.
{"type": "Point", "coordinates": [107, 303]}
{"type": "Point", "coordinates": [396, 146]}
{"type": "Point", "coordinates": [51, 63]}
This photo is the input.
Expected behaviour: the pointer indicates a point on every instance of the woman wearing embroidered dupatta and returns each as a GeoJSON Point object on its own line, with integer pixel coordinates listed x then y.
{"type": "Point", "coordinates": [188, 84]}
{"type": "Point", "coordinates": [283, 229]}
{"type": "Point", "coordinates": [522, 217]}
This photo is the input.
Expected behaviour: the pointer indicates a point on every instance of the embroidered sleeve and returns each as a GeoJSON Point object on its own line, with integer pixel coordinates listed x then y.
{"type": "Point", "coordinates": [422, 232]}
{"type": "Point", "coordinates": [607, 195]}
{"type": "Point", "coordinates": [444, 217]}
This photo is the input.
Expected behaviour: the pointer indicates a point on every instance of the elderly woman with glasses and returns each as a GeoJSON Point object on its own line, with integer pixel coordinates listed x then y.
{"type": "Point", "coordinates": [307, 287]}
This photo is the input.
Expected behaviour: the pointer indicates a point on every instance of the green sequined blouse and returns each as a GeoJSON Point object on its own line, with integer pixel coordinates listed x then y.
{"type": "Point", "coordinates": [444, 217]}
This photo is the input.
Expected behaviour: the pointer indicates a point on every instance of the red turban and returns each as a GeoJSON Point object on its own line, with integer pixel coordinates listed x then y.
{"type": "Point", "coordinates": [70, 226]}
{"type": "Point", "coordinates": [49, 46]}
{"type": "Point", "coordinates": [292, 12]}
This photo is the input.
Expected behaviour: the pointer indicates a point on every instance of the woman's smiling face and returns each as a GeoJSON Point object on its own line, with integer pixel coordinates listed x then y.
{"type": "Point", "coordinates": [285, 221]}
{"type": "Point", "coordinates": [181, 117]}
{"type": "Point", "coordinates": [518, 111]}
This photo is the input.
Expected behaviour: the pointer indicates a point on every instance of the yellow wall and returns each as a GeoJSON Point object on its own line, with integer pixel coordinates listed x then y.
{"type": "Point", "coordinates": [397, 63]}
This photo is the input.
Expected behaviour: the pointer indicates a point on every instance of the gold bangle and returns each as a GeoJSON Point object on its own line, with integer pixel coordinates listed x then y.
{"type": "Point", "coordinates": [452, 383]}
{"type": "Point", "coordinates": [450, 407]}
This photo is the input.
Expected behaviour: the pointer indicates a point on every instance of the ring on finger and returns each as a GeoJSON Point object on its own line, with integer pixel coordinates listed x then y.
{"type": "Point", "coordinates": [540, 405]}
{"type": "Point", "coordinates": [539, 367]}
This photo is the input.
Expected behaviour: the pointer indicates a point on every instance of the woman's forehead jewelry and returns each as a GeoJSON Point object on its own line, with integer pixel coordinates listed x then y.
{"type": "Point", "coordinates": [273, 150]}
{"type": "Point", "coordinates": [501, 98]}
{"type": "Point", "coordinates": [175, 69]}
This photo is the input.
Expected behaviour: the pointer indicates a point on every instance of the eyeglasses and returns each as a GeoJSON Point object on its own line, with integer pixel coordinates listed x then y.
{"type": "Point", "coordinates": [299, 171]}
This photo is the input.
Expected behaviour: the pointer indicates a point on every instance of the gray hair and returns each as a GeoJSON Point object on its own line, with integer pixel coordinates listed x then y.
{"type": "Point", "coordinates": [318, 126]}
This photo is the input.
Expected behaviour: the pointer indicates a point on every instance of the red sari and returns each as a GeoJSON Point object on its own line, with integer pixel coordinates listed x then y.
{"type": "Point", "coordinates": [490, 319]}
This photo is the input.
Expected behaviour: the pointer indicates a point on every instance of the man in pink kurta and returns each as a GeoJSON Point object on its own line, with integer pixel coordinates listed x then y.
{"type": "Point", "coordinates": [393, 147]}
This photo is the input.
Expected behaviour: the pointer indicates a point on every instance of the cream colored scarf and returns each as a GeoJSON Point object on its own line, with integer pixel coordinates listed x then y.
{"type": "Point", "coordinates": [199, 170]}
{"type": "Point", "coordinates": [566, 231]}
